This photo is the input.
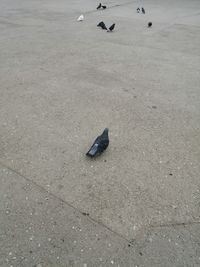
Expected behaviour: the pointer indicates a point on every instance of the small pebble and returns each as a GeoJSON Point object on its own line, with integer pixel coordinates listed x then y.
{"type": "Point", "coordinates": [112, 262]}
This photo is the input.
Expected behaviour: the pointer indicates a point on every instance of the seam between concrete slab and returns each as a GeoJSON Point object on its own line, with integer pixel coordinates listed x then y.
{"type": "Point", "coordinates": [92, 220]}
{"type": "Point", "coordinates": [175, 224]}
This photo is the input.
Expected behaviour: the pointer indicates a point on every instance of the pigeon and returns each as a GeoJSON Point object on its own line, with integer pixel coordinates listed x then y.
{"type": "Point", "coordinates": [100, 24]}
{"type": "Point", "coordinates": [111, 27]}
{"type": "Point", "coordinates": [104, 7]}
{"type": "Point", "coordinates": [103, 26]}
{"type": "Point", "coordinates": [143, 10]}
{"type": "Point", "coordinates": [80, 18]}
{"type": "Point", "coordinates": [99, 6]}
{"type": "Point", "coordinates": [149, 24]}
{"type": "Point", "coordinates": [99, 145]}
{"type": "Point", "coordinates": [138, 10]}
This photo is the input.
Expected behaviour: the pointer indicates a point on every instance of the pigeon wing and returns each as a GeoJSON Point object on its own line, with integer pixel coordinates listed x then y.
{"type": "Point", "coordinates": [93, 150]}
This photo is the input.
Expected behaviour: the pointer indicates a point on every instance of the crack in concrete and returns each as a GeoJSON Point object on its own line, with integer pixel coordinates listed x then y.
{"type": "Point", "coordinates": [174, 224]}
{"type": "Point", "coordinates": [92, 220]}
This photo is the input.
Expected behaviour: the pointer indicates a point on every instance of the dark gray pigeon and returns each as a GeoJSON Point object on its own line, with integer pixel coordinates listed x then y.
{"type": "Point", "coordinates": [143, 10]}
{"type": "Point", "coordinates": [104, 7]}
{"type": "Point", "coordinates": [111, 27]}
{"type": "Point", "coordinates": [101, 24]}
{"type": "Point", "coordinates": [149, 24]}
{"type": "Point", "coordinates": [99, 145]}
{"type": "Point", "coordinates": [99, 6]}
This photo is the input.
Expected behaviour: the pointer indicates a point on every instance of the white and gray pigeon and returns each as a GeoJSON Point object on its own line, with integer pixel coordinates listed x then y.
{"type": "Point", "coordinates": [99, 145]}
{"type": "Point", "coordinates": [80, 18]}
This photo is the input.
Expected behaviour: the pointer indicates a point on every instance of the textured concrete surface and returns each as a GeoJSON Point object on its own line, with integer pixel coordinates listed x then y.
{"type": "Point", "coordinates": [62, 82]}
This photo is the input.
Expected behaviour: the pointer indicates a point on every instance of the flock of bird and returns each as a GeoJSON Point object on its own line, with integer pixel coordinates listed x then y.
{"type": "Point", "coordinates": [102, 141]}
{"type": "Point", "coordinates": [111, 28]}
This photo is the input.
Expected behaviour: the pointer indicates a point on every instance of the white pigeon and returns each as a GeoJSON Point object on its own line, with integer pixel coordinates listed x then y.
{"type": "Point", "coordinates": [80, 18]}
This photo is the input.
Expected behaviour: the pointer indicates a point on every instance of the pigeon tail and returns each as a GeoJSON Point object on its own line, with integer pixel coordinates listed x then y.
{"type": "Point", "coordinates": [93, 151]}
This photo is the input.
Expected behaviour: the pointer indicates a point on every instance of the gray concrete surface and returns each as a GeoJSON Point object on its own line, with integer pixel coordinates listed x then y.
{"type": "Point", "coordinates": [62, 82]}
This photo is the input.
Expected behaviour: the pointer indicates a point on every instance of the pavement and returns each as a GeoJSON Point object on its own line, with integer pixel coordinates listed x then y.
{"type": "Point", "coordinates": [62, 83]}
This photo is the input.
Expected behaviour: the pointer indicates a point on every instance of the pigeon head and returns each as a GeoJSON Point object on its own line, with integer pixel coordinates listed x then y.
{"type": "Point", "coordinates": [105, 132]}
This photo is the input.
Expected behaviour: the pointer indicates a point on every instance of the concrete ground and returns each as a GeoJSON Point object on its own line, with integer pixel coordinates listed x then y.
{"type": "Point", "coordinates": [62, 82]}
